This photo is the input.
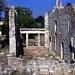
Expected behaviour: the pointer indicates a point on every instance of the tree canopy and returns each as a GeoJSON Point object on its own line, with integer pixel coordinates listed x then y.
{"type": "Point", "coordinates": [39, 22]}
{"type": "Point", "coordinates": [24, 17]}
{"type": "Point", "coordinates": [2, 2]}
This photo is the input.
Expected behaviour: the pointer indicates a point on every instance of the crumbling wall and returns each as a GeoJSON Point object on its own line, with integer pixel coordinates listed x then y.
{"type": "Point", "coordinates": [59, 28]}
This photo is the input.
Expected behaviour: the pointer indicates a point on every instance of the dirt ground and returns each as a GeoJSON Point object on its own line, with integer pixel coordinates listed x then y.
{"type": "Point", "coordinates": [34, 52]}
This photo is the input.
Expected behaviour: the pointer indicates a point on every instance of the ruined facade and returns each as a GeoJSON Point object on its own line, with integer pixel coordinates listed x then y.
{"type": "Point", "coordinates": [61, 26]}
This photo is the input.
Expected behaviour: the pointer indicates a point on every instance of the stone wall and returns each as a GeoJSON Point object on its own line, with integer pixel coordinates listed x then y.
{"type": "Point", "coordinates": [60, 32]}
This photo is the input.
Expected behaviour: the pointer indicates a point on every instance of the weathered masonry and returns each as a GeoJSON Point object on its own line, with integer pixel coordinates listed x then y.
{"type": "Point", "coordinates": [41, 36]}
{"type": "Point", "coordinates": [15, 42]}
{"type": "Point", "coordinates": [61, 22]}
{"type": "Point", "coordinates": [12, 37]}
{"type": "Point", "coordinates": [58, 34]}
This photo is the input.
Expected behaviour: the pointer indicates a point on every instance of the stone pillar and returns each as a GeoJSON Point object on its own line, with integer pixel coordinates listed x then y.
{"type": "Point", "coordinates": [72, 41]}
{"type": "Point", "coordinates": [47, 30]}
{"type": "Point", "coordinates": [47, 39]}
{"type": "Point", "coordinates": [14, 62]}
{"type": "Point", "coordinates": [61, 51]}
{"type": "Point", "coordinates": [27, 40]}
{"type": "Point", "coordinates": [58, 3]}
{"type": "Point", "coordinates": [38, 39]}
{"type": "Point", "coordinates": [73, 58]}
{"type": "Point", "coordinates": [12, 38]}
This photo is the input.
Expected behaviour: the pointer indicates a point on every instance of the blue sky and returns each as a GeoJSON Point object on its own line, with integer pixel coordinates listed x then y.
{"type": "Point", "coordinates": [39, 7]}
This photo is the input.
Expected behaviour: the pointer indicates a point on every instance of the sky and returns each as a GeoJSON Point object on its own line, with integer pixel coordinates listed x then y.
{"type": "Point", "coordinates": [39, 7]}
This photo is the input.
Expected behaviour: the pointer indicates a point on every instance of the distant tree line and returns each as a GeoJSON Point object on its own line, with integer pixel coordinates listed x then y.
{"type": "Point", "coordinates": [24, 18]}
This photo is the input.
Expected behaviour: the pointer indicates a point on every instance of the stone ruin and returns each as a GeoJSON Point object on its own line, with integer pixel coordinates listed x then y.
{"type": "Point", "coordinates": [39, 65]}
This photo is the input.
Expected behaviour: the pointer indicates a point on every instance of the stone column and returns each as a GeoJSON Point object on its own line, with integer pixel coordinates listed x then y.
{"type": "Point", "coordinates": [47, 39]}
{"type": "Point", "coordinates": [61, 51]}
{"type": "Point", "coordinates": [12, 38]}
{"type": "Point", "coordinates": [38, 39]}
{"type": "Point", "coordinates": [58, 5]}
{"type": "Point", "coordinates": [27, 40]}
{"type": "Point", "coordinates": [47, 30]}
{"type": "Point", "coordinates": [73, 58]}
{"type": "Point", "coordinates": [58, 2]}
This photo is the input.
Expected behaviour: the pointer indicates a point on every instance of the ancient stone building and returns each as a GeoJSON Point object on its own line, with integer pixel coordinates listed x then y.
{"type": "Point", "coordinates": [61, 26]}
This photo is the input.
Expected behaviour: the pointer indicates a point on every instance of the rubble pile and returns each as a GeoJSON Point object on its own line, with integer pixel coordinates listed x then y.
{"type": "Point", "coordinates": [48, 67]}
{"type": "Point", "coordinates": [41, 67]}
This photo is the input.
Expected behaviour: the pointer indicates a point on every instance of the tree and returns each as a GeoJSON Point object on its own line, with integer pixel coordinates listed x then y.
{"type": "Point", "coordinates": [39, 22]}
{"type": "Point", "coordinates": [24, 17]}
{"type": "Point", "coordinates": [2, 5]}
{"type": "Point", "coordinates": [5, 27]}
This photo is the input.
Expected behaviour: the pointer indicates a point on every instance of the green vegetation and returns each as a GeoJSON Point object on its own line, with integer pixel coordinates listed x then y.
{"type": "Point", "coordinates": [2, 2]}
{"type": "Point", "coordinates": [25, 19]}
{"type": "Point", "coordinates": [39, 22]}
